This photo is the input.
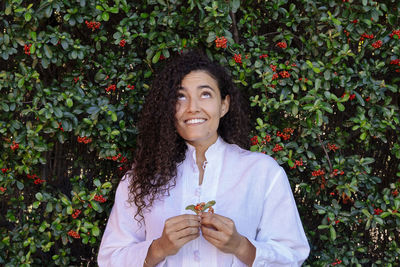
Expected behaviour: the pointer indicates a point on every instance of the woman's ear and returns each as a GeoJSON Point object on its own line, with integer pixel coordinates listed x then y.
{"type": "Point", "coordinates": [225, 105]}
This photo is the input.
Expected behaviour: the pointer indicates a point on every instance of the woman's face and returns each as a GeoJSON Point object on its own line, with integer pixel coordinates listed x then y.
{"type": "Point", "coordinates": [199, 109]}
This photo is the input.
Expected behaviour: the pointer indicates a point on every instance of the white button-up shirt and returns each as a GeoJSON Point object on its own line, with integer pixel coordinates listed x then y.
{"type": "Point", "coordinates": [250, 188]}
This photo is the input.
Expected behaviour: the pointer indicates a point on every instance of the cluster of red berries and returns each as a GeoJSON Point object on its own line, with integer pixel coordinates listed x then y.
{"type": "Point", "coordinates": [395, 62]}
{"type": "Point", "coordinates": [284, 74]}
{"type": "Point", "coordinates": [76, 79]}
{"type": "Point", "coordinates": [2, 189]}
{"type": "Point", "coordinates": [354, 21]}
{"type": "Point", "coordinates": [131, 87]}
{"type": "Point", "coordinates": [238, 58]}
{"type": "Point", "coordinates": [4, 170]}
{"type": "Point", "coordinates": [74, 234]}
{"type": "Point", "coordinates": [395, 193]}
{"type": "Point", "coordinates": [377, 44]}
{"type": "Point", "coordinates": [100, 198]}
{"type": "Point", "coordinates": [32, 176]}
{"type": "Point", "coordinates": [36, 179]}
{"type": "Point", "coordinates": [119, 158]}
{"type": "Point", "coordinates": [220, 42]}
{"type": "Point", "coordinates": [14, 146]}
{"type": "Point", "coordinates": [275, 76]}
{"type": "Point", "coordinates": [297, 163]}
{"type": "Point", "coordinates": [336, 221]}
{"type": "Point", "coordinates": [366, 36]}
{"type": "Point", "coordinates": [39, 181]}
{"type": "Point", "coordinates": [122, 43]}
{"type": "Point", "coordinates": [273, 67]}
{"type": "Point", "coordinates": [84, 140]}
{"type": "Point", "coordinates": [305, 79]}
{"type": "Point", "coordinates": [288, 130]}
{"type": "Point", "coordinates": [395, 32]}
{"type": "Point", "coordinates": [377, 211]}
{"type": "Point", "coordinates": [337, 260]}
{"type": "Point", "coordinates": [254, 140]}
{"type": "Point", "coordinates": [284, 136]}
{"type": "Point", "coordinates": [346, 32]}
{"type": "Point", "coordinates": [281, 45]}
{"type": "Point", "coordinates": [76, 214]}
{"type": "Point", "coordinates": [111, 87]}
{"type": "Point", "coordinates": [332, 147]}
{"type": "Point", "coordinates": [336, 172]}
{"type": "Point", "coordinates": [60, 127]}
{"type": "Point", "coordinates": [277, 148]}
{"type": "Point", "coordinates": [27, 49]}
{"type": "Point", "coordinates": [352, 96]}
{"type": "Point", "coordinates": [286, 133]}
{"type": "Point", "coordinates": [263, 56]}
{"type": "Point", "coordinates": [267, 138]}
{"type": "Point", "coordinates": [92, 25]}
{"type": "Point", "coordinates": [318, 173]}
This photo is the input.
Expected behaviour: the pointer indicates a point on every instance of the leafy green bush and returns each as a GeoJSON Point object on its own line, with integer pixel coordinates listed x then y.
{"type": "Point", "coordinates": [322, 78]}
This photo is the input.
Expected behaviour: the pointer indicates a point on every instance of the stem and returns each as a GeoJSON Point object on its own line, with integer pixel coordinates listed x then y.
{"type": "Point", "coordinates": [234, 26]}
{"type": "Point", "coordinates": [326, 153]}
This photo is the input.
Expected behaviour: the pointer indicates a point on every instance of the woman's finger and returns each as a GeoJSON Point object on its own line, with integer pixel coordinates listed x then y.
{"type": "Point", "coordinates": [187, 232]}
{"type": "Point", "coordinates": [214, 220]}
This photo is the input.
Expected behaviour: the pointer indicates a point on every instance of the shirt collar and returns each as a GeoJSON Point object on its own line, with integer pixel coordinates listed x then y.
{"type": "Point", "coordinates": [213, 152]}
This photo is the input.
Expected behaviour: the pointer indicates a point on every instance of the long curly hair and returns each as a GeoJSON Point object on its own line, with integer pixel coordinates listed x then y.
{"type": "Point", "coordinates": [159, 146]}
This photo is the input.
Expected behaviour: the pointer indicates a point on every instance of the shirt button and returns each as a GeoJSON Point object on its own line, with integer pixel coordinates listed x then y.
{"type": "Point", "coordinates": [197, 192]}
{"type": "Point", "coordinates": [196, 255]}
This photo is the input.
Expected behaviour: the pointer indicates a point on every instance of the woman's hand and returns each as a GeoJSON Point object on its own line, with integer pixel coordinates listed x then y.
{"type": "Point", "coordinates": [178, 231]}
{"type": "Point", "coordinates": [221, 232]}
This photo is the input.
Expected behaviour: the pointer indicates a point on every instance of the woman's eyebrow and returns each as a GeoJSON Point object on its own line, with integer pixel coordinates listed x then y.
{"type": "Point", "coordinates": [205, 86]}
{"type": "Point", "coordinates": [198, 87]}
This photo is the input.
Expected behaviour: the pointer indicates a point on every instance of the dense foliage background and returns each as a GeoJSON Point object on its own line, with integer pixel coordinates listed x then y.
{"type": "Point", "coordinates": [322, 78]}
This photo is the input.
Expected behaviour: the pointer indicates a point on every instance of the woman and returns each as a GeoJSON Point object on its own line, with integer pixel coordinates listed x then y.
{"type": "Point", "coordinates": [191, 149]}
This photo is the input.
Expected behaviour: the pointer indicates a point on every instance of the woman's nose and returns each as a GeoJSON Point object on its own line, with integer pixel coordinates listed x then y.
{"type": "Point", "coordinates": [193, 105]}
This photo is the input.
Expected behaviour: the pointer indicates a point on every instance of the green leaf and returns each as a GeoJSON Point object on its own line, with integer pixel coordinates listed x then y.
{"type": "Point", "coordinates": [156, 57]}
{"type": "Point", "coordinates": [363, 136]}
{"type": "Point", "coordinates": [39, 196]}
{"type": "Point", "coordinates": [49, 207]}
{"type": "Point", "coordinates": [47, 51]}
{"type": "Point", "coordinates": [114, 116]}
{"type": "Point", "coordinates": [70, 210]}
{"type": "Point", "coordinates": [317, 83]}
{"type": "Point", "coordinates": [97, 182]}
{"type": "Point", "coordinates": [70, 103]}
{"type": "Point", "coordinates": [235, 4]}
{"type": "Point", "coordinates": [105, 16]}
{"type": "Point", "coordinates": [333, 232]}
{"type": "Point", "coordinates": [95, 231]}
{"type": "Point", "coordinates": [5, 107]}
{"type": "Point", "coordinates": [28, 16]}
{"type": "Point", "coordinates": [20, 185]}
{"type": "Point", "coordinates": [340, 106]}
{"type": "Point", "coordinates": [95, 205]}
{"type": "Point", "coordinates": [36, 204]}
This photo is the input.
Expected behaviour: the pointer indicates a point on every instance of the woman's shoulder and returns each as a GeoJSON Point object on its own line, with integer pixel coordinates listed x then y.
{"type": "Point", "coordinates": [255, 158]}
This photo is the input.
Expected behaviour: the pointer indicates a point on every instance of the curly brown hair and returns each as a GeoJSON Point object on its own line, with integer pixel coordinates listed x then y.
{"type": "Point", "coordinates": [159, 146]}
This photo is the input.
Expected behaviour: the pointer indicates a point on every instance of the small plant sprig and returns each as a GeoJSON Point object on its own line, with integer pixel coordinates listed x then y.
{"type": "Point", "coordinates": [201, 207]}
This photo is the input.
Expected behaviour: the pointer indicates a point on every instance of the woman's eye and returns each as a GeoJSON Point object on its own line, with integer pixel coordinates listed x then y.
{"type": "Point", "coordinates": [206, 94]}
{"type": "Point", "coordinates": [180, 97]}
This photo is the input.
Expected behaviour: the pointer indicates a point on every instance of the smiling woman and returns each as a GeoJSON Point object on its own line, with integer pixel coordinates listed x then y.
{"type": "Point", "coordinates": [193, 136]}
{"type": "Point", "coordinates": [199, 108]}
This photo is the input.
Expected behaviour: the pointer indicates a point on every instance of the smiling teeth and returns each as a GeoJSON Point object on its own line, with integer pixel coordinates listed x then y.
{"type": "Point", "coordinates": [192, 121]}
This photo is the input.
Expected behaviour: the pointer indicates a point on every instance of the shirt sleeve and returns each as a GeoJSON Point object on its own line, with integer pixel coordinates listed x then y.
{"type": "Point", "coordinates": [124, 240]}
{"type": "Point", "coordinates": [280, 239]}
